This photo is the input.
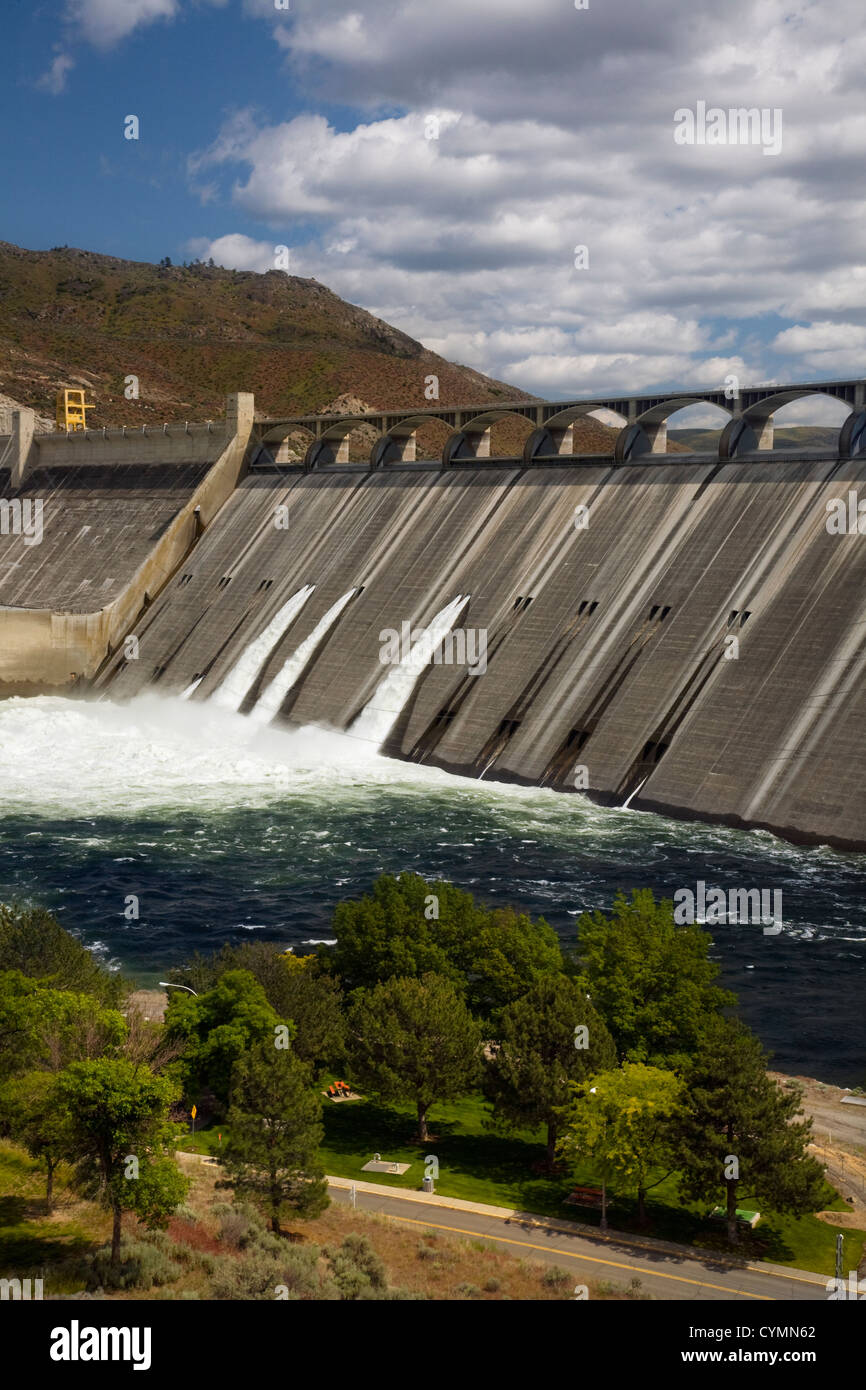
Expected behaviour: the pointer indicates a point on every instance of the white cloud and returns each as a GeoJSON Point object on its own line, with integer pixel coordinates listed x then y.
{"type": "Point", "coordinates": [556, 130]}
{"type": "Point", "coordinates": [105, 22]}
{"type": "Point", "coordinates": [235, 251]}
{"type": "Point", "coordinates": [821, 337]}
{"type": "Point", "coordinates": [54, 80]}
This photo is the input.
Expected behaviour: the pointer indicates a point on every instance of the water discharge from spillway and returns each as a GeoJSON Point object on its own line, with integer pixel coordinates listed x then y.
{"type": "Point", "coordinates": [272, 697]}
{"type": "Point", "coordinates": [383, 709]}
{"type": "Point", "coordinates": [191, 689]}
{"type": "Point", "coordinates": [230, 693]}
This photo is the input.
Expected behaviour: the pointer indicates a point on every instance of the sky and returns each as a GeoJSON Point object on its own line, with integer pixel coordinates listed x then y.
{"type": "Point", "coordinates": [554, 195]}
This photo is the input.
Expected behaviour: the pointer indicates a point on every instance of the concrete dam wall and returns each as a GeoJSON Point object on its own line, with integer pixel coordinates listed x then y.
{"type": "Point", "coordinates": [688, 634]}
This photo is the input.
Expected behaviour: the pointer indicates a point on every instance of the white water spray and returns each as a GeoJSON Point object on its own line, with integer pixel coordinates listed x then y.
{"type": "Point", "coordinates": [272, 697]}
{"type": "Point", "coordinates": [629, 799]}
{"type": "Point", "coordinates": [382, 710]}
{"type": "Point", "coordinates": [191, 689]}
{"type": "Point", "coordinates": [230, 693]}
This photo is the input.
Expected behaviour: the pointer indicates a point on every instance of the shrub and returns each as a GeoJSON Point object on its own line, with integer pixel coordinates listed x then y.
{"type": "Point", "coordinates": [356, 1268]}
{"type": "Point", "coordinates": [554, 1277]}
{"type": "Point", "coordinates": [258, 1274]}
{"type": "Point", "coordinates": [142, 1265]}
{"type": "Point", "coordinates": [492, 1286]}
{"type": "Point", "coordinates": [468, 1290]}
{"type": "Point", "coordinates": [240, 1225]}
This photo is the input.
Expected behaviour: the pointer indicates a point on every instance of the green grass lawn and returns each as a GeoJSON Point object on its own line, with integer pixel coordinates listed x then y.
{"type": "Point", "coordinates": [479, 1165]}
{"type": "Point", "coordinates": [30, 1238]}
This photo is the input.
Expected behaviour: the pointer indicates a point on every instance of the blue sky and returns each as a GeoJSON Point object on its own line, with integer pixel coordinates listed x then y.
{"type": "Point", "coordinates": [554, 128]}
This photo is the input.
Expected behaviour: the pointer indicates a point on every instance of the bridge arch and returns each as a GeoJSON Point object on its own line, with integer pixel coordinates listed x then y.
{"type": "Point", "coordinates": [331, 445]}
{"type": "Point", "coordinates": [648, 433]}
{"type": "Point", "coordinates": [275, 442]}
{"type": "Point", "coordinates": [400, 443]}
{"type": "Point", "coordinates": [754, 429]}
{"type": "Point", "coordinates": [555, 438]}
{"type": "Point", "coordinates": [709, 419]}
{"type": "Point", "coordinates": [472, 439]}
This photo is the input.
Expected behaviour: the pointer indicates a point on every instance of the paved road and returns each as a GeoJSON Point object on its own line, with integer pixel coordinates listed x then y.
{"type": "Point", "coordinates": [663, 1273]}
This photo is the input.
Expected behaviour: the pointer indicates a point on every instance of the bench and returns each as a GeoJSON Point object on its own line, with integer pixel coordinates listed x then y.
{"type": "Point", "coordinates": [585, 1197]}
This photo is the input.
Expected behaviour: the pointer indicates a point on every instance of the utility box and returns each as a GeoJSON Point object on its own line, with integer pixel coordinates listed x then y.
{"type": "Point", "coordinates": [71, 410]}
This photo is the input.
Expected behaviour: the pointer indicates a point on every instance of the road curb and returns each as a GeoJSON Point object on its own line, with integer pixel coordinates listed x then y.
{"type": "Point", "coordinates": [560, 1226]}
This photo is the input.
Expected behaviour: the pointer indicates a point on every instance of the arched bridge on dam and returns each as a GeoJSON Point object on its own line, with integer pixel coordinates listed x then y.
{"type": "Point", "coordinates": [643, 426]}
{"type": "Point", "coordinates": [683, 632]}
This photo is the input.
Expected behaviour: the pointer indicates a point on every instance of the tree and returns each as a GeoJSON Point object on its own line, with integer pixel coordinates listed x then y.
{"type": "Point", "coordinates": [408, 928]}
{"type": "Point", "coordinates": [31, 1117]}
{"type": "Point", "coordinates": [387, 934]}
{"type": "Point", "coordinates": [313, 1002]}
{"type": "Point", "coordinates": [217, 1028]}
{"type": "Point", "coordinates": [740, 1139]}
{"type": "Point", "coordinates": [550, 1038]}
{"type": "Point", "coordinates": [45, 1029]}
{"type": "Point", "coordinates": [275, 1130]}
{"type": "Point", "coordinates": [297, 988]}
{"type": "Point", "coordinates": [507, 954]}
{"type": "Point", "coordinates": [33, 942]}
{"type": "Point", "coordinates": [650, 980]}
{"type": "Point", "coordinates": [414, 1040]}
{"type": "Point", "coordinates": [121, 1140]}
{"type": "Point", "coordinates": [626, 1120]}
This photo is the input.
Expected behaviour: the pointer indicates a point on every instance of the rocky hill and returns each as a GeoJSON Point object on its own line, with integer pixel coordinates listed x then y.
{"type": "Point", "coordinates": [190, 334]}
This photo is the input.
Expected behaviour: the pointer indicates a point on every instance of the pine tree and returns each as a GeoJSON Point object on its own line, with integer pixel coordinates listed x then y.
{"type": "Point", "coordinates": [275, 1129]}
{"type": "Point", "coordinates": [549, 1039]}
{"type": "Point", "coordinates": [740, 1137]}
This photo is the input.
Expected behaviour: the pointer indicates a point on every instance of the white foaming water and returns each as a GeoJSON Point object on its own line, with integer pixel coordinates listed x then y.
{"type": "Point", "coordinates": [159, 758]}
{"type": "Point", "coordinates": [274, 694]}
{"type": "Point", "coordinates": [77, 758]}
{"type": "Point", "coordinates": [73, 758]}
{"type": "Point", "coordinates": [230, 693]}
{"type": "Point", "coordinates": [382, 711]}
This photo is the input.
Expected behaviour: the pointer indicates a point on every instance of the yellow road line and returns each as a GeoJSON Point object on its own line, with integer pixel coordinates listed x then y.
{"type": "Point", "coordinates": [542, 1226]}
{"type": "Point", "coordinates": [639, 1245]}
{"type": "Point", "coordinates": [573, 1255]}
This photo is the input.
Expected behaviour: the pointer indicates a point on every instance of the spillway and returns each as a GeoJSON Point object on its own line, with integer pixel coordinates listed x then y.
{"type": "Point", "coordinates": [272, 697]}
{"type": "Point", "coordinates": [230, 693]}
{"type": "Point", "coordinates": [381, 713]}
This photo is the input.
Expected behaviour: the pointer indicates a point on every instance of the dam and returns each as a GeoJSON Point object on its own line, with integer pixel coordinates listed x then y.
{"type": "Point", "coordinates": [684, 633]}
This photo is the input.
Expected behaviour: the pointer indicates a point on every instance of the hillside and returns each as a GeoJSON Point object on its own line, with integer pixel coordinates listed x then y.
{"type": "Point", "coordinates": [191, 334]}
{"type": "Point", "coordinates": [784, 437]}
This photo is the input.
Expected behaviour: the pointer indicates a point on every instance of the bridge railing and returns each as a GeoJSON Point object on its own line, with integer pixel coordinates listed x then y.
{"type": "Point", "coordinates": [642, 435]}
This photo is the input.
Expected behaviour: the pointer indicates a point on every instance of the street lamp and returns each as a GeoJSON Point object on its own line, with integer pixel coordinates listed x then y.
{"type": "Point", "coordinates": [166, 984]}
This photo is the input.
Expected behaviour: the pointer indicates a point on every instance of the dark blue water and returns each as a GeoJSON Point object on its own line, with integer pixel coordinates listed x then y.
{"type": "Point", "coordinates": [226, 834]}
